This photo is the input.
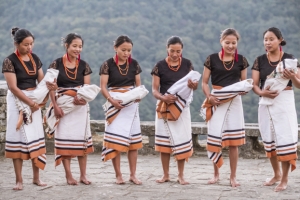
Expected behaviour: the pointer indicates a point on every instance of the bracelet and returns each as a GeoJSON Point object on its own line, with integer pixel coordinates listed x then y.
{"type": "Point", "coordinates": [34, 104]}
{"type": "Point", "coordinates": [209, 99]}
{"type": "Point", "coordinates": [108, 98]}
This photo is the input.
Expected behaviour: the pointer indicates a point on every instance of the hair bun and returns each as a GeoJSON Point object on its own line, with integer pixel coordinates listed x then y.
{"type": "Point", "coordinates": [14, 30]}
{"type": "Point", "coordinates": [283, 42]}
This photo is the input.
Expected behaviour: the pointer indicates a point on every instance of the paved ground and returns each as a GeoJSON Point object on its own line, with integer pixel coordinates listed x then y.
{"type": "Point", "coordinates": [251, 174]}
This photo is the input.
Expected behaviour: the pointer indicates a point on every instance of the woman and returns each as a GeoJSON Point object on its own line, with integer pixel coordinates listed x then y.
{"type": "Point", "coordinates": [21, 70]}
{"type": "Point", "coordinates": [120, 74]}
{"type": "Point", "coordinates": [226, 67]}
{"type": "Point", "coordinates": [283, 104]}
{"type": "Point", "coordinates": [73, 129]}
{"type": "Point", "coordinates": [165, 74]}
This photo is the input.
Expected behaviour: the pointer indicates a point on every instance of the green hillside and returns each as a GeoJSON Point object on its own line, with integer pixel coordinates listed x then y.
{"type": "Point", "coordinates": [150, 24]}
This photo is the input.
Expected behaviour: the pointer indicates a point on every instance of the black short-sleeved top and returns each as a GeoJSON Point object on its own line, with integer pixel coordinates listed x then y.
{"type": "Point", "coordinates": [116, 79]}
{"type": "Point", "coordinates": [167, 76]}
{"type": "Point", "coordinates": [221, 76]}
{"type": "Point", "coordinates": [262, 65]}
{"type": "Point", "coordinates": [63, 80]}
{"type": "Point", "coordinates": [12, 64]}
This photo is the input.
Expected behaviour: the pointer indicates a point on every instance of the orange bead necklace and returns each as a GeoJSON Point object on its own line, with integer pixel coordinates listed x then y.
{"type": "Point", "coordinates": [175, 69]}
{"type": "Point", "coordinates": [29, 72]}
{"type": "Point", "coordinates": [67, 70]}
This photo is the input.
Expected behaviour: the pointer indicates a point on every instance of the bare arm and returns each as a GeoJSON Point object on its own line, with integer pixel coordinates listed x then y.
{"type": "Point", "coordinates": [155, 86]}
{"type": "Point", "coordinates": [40, 75]}
{"type": "Point", "coordinates": [244, 74]}
{"type": "Point", "coordinates": [205, 87]}
{"type": "Point", "coordinates": [105, 93]}
{"type": "Point", "coordinates": [295, 78]}
{"type": "Point", "coordinates": [138, 80]}
{"type": "Point", "coordinates": [265, 92]}
{"type": "Point", "coordinates": [11, 80]}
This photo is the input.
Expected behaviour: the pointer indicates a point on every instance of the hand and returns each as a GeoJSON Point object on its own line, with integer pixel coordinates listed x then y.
{"type": "Point", "coordinates": [52, 86]}
{"type": "Point", "coordinates": [214, 100]}
{"type": "Point", "coordinates": [34, 107]}
{"type": "Point", "coordinates": [192, 85]}
{"type": "Point", "coordinates": [242, 93]}
{"type": "Point", "coordinates": [137, 101]}
{"type": "Point", "coordinates": [268, 93]}
{"type": "Point", "coordinates": [58, 112]}
{"type": "Point", "coordinates": [116, 103]}
{"type": "Point", "coordinates": [289, 74]}
{"type": "Point", "coordinates": [169, 98]}
{"type": "Point", "coordinates": [79, 101]}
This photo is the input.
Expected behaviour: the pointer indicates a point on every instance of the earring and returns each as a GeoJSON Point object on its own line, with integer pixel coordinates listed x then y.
{"type": "Point", "coordinates": [222, 53]}
{"type": "Point", "coordinates": [129, 59]}
{"type": "Point", "coordinates": [236, 56]}
{"type": "Point", "coordinates": [116, 58]}
{"type": "Point", "coordinates": [168, 53]}
{"type": "Point", "coordinates": [17, 52]}
{"type": "Point", "coordinates": [280, 48]}
{"type": "Point", "coordinates": [78, 58]}
{"type": "Point", "coordinates": [68, 57]}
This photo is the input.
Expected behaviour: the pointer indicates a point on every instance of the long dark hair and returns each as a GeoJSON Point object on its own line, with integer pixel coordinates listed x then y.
{"type": "Point", "coordinates": [70, 37]}
{"type": "Point", "coordinates": [20, 34]}
{"type": "Point", "coordinates": [278, 34]}
{"type": "Point", "coordinates": [229, 31]}
{"type": "Point", "coordinates": [174, 40]}
{"type": "Point", "coordinates": [122, 39]}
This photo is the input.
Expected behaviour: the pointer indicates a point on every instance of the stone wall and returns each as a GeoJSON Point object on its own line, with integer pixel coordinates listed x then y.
{"type": "Point", "coordinates": [252, 149]}
{"type": "Point", "coordinates": [3, 92]}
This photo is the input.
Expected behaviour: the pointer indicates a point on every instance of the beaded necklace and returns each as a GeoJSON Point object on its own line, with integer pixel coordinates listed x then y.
{"type": "Point", "coordinates": [67, 70]}
{"type": "Point", "coordinates": [29, 72]}
{"type": "Point", "coordinates": [175, 69]}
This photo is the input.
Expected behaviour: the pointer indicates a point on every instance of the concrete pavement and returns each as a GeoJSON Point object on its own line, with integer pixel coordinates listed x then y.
{"type": "Point", "coordinates": [251, 175]}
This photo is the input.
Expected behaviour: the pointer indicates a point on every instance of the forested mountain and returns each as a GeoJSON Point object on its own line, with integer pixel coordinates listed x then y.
{"type": "Point", "coordinates": [150, 24]}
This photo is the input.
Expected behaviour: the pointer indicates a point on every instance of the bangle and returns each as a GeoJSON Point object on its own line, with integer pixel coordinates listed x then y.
{"type": "Point", "coordinates": [108, 98]}
{"type": "Point", "coordinates": [33, 105]}
{"type": "Point", "coordinates": [209, 99]}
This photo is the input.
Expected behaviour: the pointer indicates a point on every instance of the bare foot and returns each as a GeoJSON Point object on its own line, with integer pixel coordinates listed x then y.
{"type": "Point", "coordinates": [119, 180]}
{"type": "Point", "coordinates": [280, 187]}
{"type": "Point", "coordinates": [181, 181]}
{"type": "Point", "coordinates": [84, 180]}
{"type": "Point", "coordinates": [234, 183]}
{"type": "Point", "coordinates": [214, 180]}
{"type": "Point", "coordinates": [134, 180]}
{"type": "Point", "coordinates": [163, 179]}
{"type": "Point", "coordinates": [38, 182]}
{"type": "Point", "coordinates": [18, 186]}
{"type": "Point", "coordinates": [272, 181]}
{"type": "Point", "coordinates": [71, 181]}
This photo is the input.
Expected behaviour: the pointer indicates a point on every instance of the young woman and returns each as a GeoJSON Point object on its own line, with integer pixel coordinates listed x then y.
{"type": "Point", "coordinates": [165, 74]}
{"type": "Point", "coordinates": [22, 69]}
{"type": "Point", "coordinates": [283, 109]}
{"type": "Point", "coordinates": [120, 74]}
{"type": "Point", "coordinates": [73, 135]}
{"type": "Point", "coordinates": [225, 68]}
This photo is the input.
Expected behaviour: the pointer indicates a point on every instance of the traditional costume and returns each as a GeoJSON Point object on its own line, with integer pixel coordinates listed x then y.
{"type": "Point", "coordinates": [277, 118]}
{"type": "Point", "coordinates": [173, 132]}
{"type": "Point", "coordinates": [122, 128]}
{"type": "Point", "coordinates": [225, 122]}
{"type": "Point", "coordinates": [28, 142]}
{"type": "Point", "coordinates": [72, 135]}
